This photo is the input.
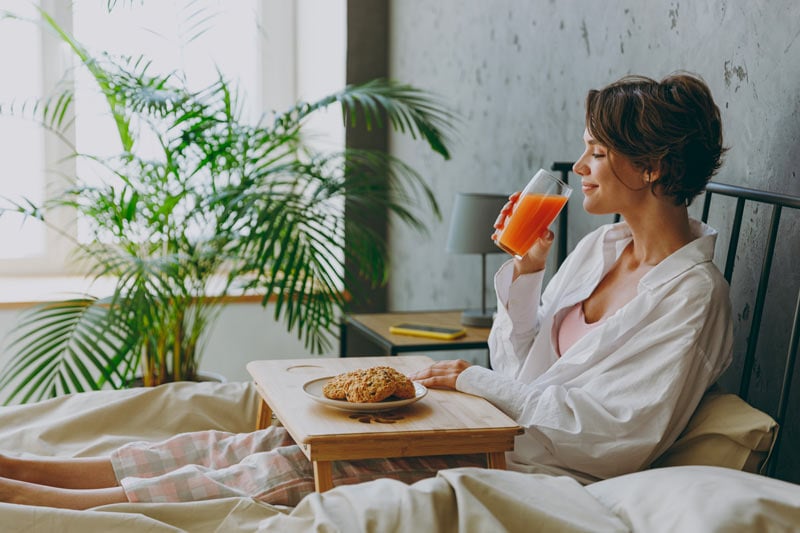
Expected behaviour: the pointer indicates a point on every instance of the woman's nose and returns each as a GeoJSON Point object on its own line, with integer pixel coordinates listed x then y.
{"type": "Point", "coordinates": [579, 167]}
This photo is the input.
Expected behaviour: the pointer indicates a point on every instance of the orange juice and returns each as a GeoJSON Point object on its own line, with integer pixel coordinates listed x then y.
{"type": "Point", "coordinates": [532, 214]}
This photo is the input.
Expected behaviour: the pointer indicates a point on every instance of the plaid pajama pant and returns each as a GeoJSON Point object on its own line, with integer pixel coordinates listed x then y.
{"type": "Point", "coordinates": [266, 465]}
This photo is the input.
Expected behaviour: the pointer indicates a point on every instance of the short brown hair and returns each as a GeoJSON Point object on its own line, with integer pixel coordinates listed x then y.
{"type": "Point", "coordinates": [672, 126]}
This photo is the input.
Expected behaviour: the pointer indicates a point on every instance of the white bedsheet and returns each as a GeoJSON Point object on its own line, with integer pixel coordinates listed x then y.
{"type": "Point", "coordinates": [701, 499]}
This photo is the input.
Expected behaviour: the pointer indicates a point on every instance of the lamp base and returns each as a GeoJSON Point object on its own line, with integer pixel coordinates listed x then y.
{"type": "Point", "coordinates": [477, 318]}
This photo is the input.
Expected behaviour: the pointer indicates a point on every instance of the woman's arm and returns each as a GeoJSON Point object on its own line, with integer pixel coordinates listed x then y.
{"type": "Point", "coordinates": [516, 322]}
{"type": "Point", "coordinates": [619, 399]}
{"type": "Point", "coordinates": [523, 308]}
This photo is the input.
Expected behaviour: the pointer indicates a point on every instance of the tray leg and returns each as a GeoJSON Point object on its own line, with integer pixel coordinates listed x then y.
{"type": "Point", "coordinates": [323, 475]}
{"type": "Point", "coordinates": [496, 460]}
{"type": "Point", "coordinates": [264, 416]}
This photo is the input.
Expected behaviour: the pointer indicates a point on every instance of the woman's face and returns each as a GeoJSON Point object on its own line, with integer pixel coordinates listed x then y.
{"type": "Point", "coordinates": [609, 181]}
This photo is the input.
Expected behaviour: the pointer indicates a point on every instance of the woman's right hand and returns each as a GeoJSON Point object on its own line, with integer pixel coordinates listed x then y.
{"type": "Point", "coordinates": [536, 258]}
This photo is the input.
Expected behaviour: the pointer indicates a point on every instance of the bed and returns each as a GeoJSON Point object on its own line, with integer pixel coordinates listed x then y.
{"type": "Point", "coordinates": [718, 476]}
{"type": "Point", "coordinates": [675, 498]}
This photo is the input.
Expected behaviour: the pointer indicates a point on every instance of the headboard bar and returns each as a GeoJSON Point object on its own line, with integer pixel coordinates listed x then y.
{"type": "Point", "coordinates": [561, 243]}
{"type": "Point", "coordinates": [733, 245]}
{"type": "Point", "coordinates": [754, 194]}
{"type": "Point", "coordinates": [783, 400]}
{"type": "Point", "coordinates": [706, 207]}
{"type": "Point", "coordinates": [761, 294]}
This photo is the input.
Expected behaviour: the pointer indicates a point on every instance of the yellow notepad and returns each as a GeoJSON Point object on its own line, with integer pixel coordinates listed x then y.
{"type": "Point", "coordinates": [428, 330]}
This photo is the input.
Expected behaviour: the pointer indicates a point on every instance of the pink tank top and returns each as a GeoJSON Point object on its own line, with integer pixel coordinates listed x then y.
{"type": "Point", "coordinates": [573, 327]}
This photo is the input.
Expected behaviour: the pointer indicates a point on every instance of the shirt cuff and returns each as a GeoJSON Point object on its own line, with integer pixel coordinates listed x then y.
{"type": "Point", "coordinates": [505, 393]}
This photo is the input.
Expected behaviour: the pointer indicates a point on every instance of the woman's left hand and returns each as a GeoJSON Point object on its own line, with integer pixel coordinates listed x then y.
{"type": "Point", "coordinates": [441, 375]}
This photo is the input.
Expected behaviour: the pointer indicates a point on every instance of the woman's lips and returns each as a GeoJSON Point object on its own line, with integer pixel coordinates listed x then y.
{"type": "Point", "coordinates": [587, 187]}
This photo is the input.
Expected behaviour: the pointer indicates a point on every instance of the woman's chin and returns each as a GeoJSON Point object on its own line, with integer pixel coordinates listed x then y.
{"type": "Point", "coordinates": [590, 207]}
{"type": "Point", "coordinates": [594, 209]}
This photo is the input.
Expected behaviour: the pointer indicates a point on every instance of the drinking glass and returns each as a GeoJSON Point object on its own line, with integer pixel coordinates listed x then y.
{"type": "Point", "coordinates": [537, 206]}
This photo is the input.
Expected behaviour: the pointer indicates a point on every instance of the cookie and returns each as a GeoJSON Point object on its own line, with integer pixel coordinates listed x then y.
{"type": "Point", "coordinates": [336, 388]}
{"type": "Point", "coordinates": [369, 385]}
{"type": "Point", "coordinates": [404, 387]}
{"type": "Point", "coordinates": [374, 385]}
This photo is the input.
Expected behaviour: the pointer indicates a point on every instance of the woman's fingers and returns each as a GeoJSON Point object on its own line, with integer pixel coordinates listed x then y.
{"type": "Point", "coordinates": [438, 382]}
{"type": "Point", "coordinates": [440, 375]}
{"type": "Point", "coordinates": [500, 222]}
{"type": "Point", "coordinates": [542, 245]}
{"type": "Point", "coordinates": [536, 258]}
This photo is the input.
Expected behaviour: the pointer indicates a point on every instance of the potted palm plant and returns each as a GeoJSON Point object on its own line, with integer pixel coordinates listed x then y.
{"type": "Point", "coordinates": [225, 206]}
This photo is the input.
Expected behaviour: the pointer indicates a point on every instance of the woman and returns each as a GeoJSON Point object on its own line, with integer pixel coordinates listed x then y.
{"type": "Point", "coordinates": [603, 373]}
{"type": "Point", "coordinates": [635, 326]}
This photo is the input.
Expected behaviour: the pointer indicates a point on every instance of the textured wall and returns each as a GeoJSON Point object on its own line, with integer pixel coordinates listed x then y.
{"type": "Point", "coordinates": [517, 72]}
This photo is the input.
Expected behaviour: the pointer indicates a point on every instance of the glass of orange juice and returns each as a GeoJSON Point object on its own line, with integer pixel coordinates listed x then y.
{"type": "Point", "coordinates": [538, 205]}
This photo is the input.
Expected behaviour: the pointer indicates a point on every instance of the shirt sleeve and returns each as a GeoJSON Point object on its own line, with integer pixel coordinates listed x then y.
{"type": "Point", "coordinates": [516, 323]}
{"type": "Point", "coordinates": [618, 398]}
{"type": "Point", "coordinates": [523, 306]}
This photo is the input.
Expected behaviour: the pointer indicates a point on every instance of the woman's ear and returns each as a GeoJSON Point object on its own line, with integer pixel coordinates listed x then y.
{"type": "Point", "coordinates": [652, 172]}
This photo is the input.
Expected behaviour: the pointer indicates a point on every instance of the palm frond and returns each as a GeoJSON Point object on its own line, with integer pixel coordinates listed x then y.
{"type": "Point", "coordinates": [198, 17]}
{"type": "Point", "coordinates": [53, 340]}
{"type": "Point", "coordinates": [409, 110]}
{"type": "Point", "coordinates": [111, 4]}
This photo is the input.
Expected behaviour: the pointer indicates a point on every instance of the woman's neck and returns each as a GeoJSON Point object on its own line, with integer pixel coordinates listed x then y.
{"type": "Point", "coordinates": [658, 232]}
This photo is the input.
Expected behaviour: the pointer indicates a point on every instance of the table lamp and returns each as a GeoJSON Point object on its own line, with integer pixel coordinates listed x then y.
{"type": "Point", "coordinates": [471, 227]}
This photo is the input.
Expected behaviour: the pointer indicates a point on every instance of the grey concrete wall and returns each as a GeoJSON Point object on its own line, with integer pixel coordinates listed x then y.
{"type": "Point", "coordinates": [517, 72]}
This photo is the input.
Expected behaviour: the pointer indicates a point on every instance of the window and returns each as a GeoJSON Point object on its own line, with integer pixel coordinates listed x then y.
{"type": "Point", "coordinates": [278, 51]}
{"type": "Point", "coordinates": [21, 142]}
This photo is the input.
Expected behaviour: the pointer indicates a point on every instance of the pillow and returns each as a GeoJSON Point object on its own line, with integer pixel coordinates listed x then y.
{"type": "Point", "coordinates": [724, 431]}
{"type": "Point", "coordinates": [700, 499]}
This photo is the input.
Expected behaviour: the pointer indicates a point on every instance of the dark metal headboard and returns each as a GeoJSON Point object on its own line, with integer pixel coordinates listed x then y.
{"type": "Point", "coordinates": [777, 202]}
{"type": "Point", "coordinates": [561, 233]}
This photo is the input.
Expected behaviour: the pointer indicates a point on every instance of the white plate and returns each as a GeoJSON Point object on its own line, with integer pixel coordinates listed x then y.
{"type": "Point", "coordinates": [314, 387]}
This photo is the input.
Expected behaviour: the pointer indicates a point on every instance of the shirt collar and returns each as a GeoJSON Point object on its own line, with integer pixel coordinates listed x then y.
{"type": "Point", "coordinates": [699, 250]}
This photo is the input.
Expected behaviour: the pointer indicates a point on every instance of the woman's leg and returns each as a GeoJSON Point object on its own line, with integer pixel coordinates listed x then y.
{"type": "Point", "coordinates": [210, 449]}
{"type": "Point", "coordinates": [24, 493]}
{"type": "Point", "coordinates": [281, 476]}
{"type": "Point", "coordinates": [88, 482]}
{"type": "Point", "coordinates": [266, 465]}
{"type": "Point", "coordinates": [79, 473]}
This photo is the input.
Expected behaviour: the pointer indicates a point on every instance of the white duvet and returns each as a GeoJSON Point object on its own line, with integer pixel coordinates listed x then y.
{"type": "Point", "coordinates": [677, 499]}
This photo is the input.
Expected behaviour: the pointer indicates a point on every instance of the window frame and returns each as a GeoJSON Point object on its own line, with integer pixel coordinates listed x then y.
{"type": "Point", "coordinates": [282, 26]}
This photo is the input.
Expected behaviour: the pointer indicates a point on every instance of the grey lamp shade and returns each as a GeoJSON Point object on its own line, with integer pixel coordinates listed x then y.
{"type": "Point", "coordinates": [472, 223]}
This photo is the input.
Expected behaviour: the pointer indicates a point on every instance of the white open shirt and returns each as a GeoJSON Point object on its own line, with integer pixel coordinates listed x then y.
{"type": "Point", "coordinates": [621, 395]}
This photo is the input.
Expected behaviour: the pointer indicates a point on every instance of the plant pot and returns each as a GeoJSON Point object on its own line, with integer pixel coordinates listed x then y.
{"type": "Point", "coordinates": [205, 375]}
{"type": "Point", "coordinates": [201, 376]}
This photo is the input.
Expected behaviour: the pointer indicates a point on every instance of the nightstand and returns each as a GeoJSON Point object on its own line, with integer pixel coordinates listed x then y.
{"type": "Point", "coordinates": [368, 334]}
